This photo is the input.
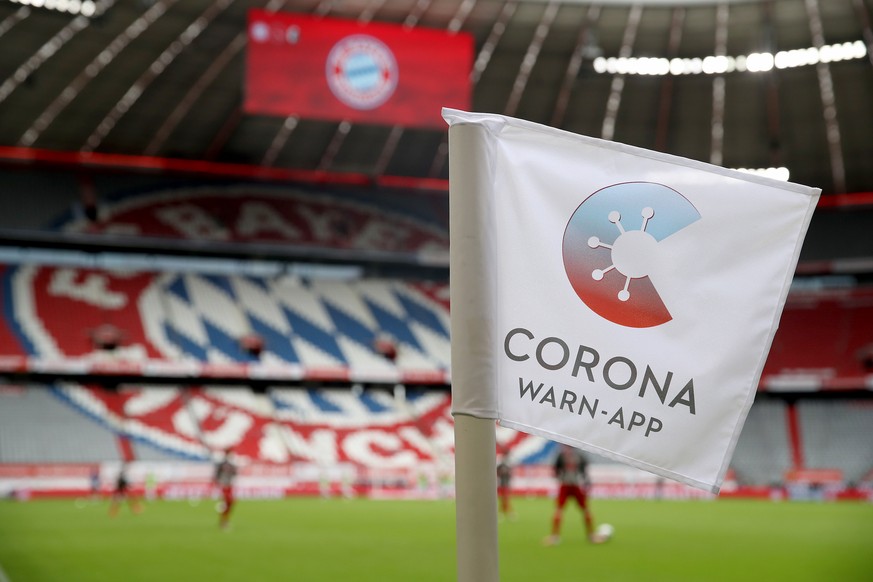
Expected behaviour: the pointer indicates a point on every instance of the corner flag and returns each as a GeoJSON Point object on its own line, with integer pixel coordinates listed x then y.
{"type": "Point", "coordinates": [615, 299]}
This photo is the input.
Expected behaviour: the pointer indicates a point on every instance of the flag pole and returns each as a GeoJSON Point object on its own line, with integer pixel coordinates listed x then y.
{"type": "Point", "coordinates": [476, 499]}
{"type": "Point", "coordinates": [473, 385]}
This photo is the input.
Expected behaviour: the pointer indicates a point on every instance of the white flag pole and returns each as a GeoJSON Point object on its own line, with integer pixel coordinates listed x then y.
{"type": "Point", "coordinates": [472, 300]}
{"type": "Point", "coordinates": [476, 499]}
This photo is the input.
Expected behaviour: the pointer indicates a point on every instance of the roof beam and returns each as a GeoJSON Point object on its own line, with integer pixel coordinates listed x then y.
{"type": "Point", "coordinates": [197, 89]}
{"type": "Point", "coordinates": [627, 47]}
{"type": "Point", "coordinates": [92, 69]}
{"type": "Point", "coordinates": [829, 105]}
{"type": "Point", "coordinates": [716, 148]}
{"type": "Point", "coordinates": [774, 129]}
{"type": "Point", "coordinates": [573, 66]}
{"type": "Point", "coordinates": [454, 25]}
{"type": "Point", "coordinates": [665, 100]}
{"type": "Point", "coordinates": [530, 57]}
{"type": "Point", "coordinates": [193, 94]}
{"type": "Point", "coordinates": [47, 50]}
{"type": "Point", "coordinates": [479, 66]}
{"type": "Point", "coordinates": [158, 66]}
{"type": "Point", "coordinates": [867, 29]}
{"type": "Point", "coordinates": [289, 124]}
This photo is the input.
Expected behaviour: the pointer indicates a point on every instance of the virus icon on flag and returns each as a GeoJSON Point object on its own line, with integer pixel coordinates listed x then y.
{"type": "Point", "coordinates": [624, 259]}
{"type": "Point", "coordinates": [608, 259]}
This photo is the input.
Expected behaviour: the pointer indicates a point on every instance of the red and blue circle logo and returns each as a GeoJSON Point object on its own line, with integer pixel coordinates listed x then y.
{"type": "Point", "coordinates": [361, 71]}
{"type": "Point", "coordinates": [609, 245]}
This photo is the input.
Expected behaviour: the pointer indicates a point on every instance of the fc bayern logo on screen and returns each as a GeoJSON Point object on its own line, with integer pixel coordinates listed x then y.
{"type": "Point", "coordinates": [361, 71]}
{"type": "Point", "coordinates": [610, 244]}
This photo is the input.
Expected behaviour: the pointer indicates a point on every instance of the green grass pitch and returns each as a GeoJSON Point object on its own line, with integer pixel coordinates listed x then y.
{"type": "Point", "coordinates": [363, 540]}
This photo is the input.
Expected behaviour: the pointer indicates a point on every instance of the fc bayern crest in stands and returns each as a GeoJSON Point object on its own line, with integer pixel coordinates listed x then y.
{"type": "Point", "coordinates": [90, 320]}
{"type": "Point", "coordinates": [361, 71]}
{"type": "Point", "coordinates": [64, 312]}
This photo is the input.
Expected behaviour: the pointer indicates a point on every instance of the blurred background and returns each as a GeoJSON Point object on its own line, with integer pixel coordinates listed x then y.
{"type": "Point", "coordinates": [224, 225]}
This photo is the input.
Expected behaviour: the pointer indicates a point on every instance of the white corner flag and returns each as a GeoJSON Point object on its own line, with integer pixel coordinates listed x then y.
{"type": "Point", "coordinates": [615, 299]}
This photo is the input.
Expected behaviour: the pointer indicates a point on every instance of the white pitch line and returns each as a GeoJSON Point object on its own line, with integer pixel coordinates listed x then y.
{"type": "Point", "coordinates": [3, 576]}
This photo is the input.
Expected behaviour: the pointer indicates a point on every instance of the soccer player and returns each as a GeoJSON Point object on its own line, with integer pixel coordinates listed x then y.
{"type": "Point", "coordinates": [504, 476]}
{"type": "Point", "coordinates": [571, 470]}
{"type": "Point", "coordinates": [225, 472]}
{"type": "Point", "coordinates": [121, 492]}
{"type": "Point", "coordinates": [94, 479]}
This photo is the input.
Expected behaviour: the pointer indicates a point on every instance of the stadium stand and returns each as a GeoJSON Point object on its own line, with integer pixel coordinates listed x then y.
{"type": "Point", "coordinates": [319, 330]}
{"type": "Point", "coordinates": [333, 325]}
{"type": "Point", "coordinates": [37, 427]}
{"type": "Point", "coordinates": [372, 429]}
{"type": "Point", "coordinates": [762, 455]}
{"type": "Point", "coordinates": [824, 339]}
{"type": "Point", "coordinates": [204, 318]}
{"type": "Point", "coordinates": [836, 434]}
{"type": "Point", "coordinates": [253, 213]}
{"type": "Point", "coordinates": [282, 288]}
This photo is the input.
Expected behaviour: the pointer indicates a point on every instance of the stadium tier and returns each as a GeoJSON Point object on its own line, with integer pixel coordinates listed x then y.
{"type": "Point", "coordinates": [312, 363]}
{"type": "Point", "coordinates": [262, 214]}
{"type": "Point", "coordinates": [224, 325]}
{"type": "Point", "coordinates": [228, 215]}
{"type": "Point", "coordinates": [37, 427]}
{"type": "Point", "coordinates": [73, 320]}
{"type": "Point", "coordinates": [346, 373]}
{"type": "Point", "coordinates": [836, 434]}
{"type": "Point", "coordinates": [375, 431]}
{"type": "Point", "coordinates": [763, 451]}
{"type": "Point", "coordinates": [300, 437]}
{"type": "Point", "coordinates": [824, 342]}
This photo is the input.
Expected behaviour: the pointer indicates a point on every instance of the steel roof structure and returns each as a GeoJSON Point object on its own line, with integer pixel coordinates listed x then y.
{"type": "Point", "coordinates": [164, 79]}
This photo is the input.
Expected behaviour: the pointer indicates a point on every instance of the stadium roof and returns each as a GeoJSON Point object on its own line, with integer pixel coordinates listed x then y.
{"type": "Point", "coordinates": [164, 78]}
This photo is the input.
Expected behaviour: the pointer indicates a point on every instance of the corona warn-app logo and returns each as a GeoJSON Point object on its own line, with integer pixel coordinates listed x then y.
{"type": "Point", "coordinates": [609, 244]}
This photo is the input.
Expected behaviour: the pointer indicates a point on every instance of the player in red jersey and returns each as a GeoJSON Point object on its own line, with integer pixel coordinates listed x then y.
{"type": "Point", "coordinates": [225, 472]}
{"type": "Point", "coordinates": [571, 470]}
{"type": "Point", "coordinates": [504, 478]}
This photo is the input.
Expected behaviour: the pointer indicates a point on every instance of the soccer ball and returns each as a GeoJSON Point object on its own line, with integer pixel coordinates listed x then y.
{"type": "Point", "coordinates": [604, 532]}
